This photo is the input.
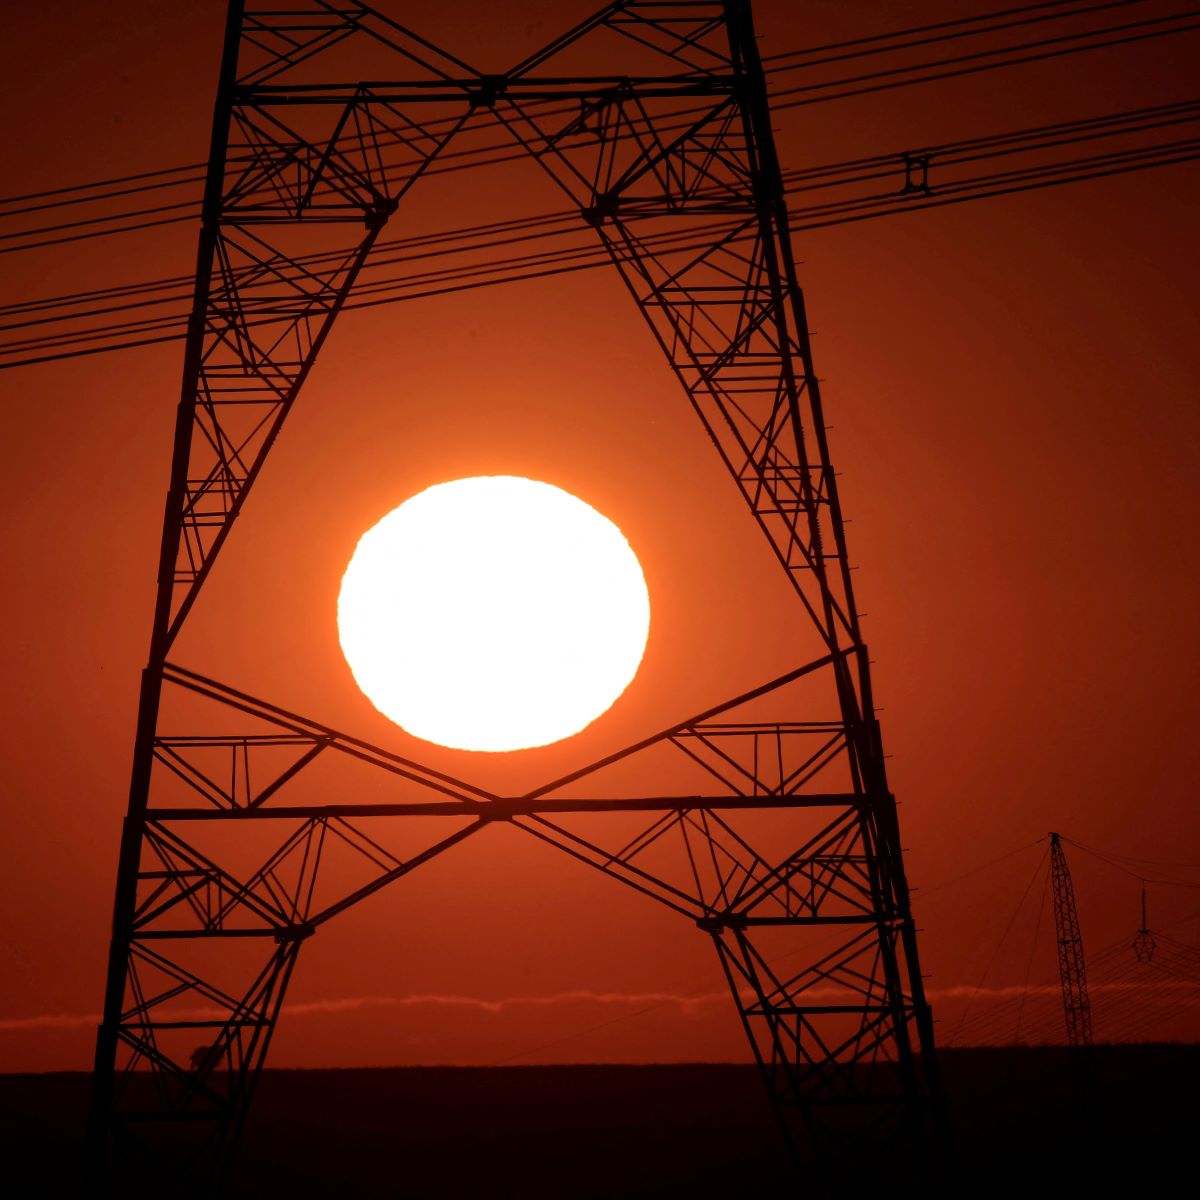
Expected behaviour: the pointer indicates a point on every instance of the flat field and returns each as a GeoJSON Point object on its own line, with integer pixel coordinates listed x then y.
{"type": "Point", "coordinates": [1022, 1122]}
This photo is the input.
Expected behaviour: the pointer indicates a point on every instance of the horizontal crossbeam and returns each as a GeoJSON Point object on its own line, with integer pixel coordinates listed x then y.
{"type": "Point", "coordinates": [485, 90]}
{"type": "Point", "coordinates": [503, 809]}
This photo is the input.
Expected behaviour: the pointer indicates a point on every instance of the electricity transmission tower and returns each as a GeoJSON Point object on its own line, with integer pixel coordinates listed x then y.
{"type": "Point", "coordinates": [770, 825]}
{"type": "Point", "coordinates": [1072, 971]}
{"type": "Point", "coordinates": [1144, 944]}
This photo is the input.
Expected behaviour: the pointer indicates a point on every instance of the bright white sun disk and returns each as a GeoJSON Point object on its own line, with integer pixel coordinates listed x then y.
{"type": "Point", "coordinates": [494, 613]}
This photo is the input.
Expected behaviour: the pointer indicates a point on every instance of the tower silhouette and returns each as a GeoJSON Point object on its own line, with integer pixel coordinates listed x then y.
{"type": "Point", "coordinates": [779, 838]}
{"type": "Point", "coordinates": [1072, 968]}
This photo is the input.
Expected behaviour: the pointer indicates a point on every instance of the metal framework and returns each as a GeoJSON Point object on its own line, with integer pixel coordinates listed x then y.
{"type": "Point", "coordinates": [1144, 943]}
{"type": "Point", "coordinates": [1072, 971]}
{"type": "Point", "coordinates": [779, 839]}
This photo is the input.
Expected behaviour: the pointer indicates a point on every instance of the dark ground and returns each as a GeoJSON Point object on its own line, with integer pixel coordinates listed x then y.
{"type": "Point", "coordinates": [1024, 1124]}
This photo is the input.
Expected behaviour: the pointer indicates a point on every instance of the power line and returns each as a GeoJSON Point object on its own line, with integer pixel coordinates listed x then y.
{"type": "Point", "coordinates": [71, 320]}
{"type": "Point", "coordinates": [198, 167]}
{"type": "Point", "coordinates": [813, 93]}
{"type": "Point", "coordinates": [983, 866]}
{"type": "Point", "coordinates": [957, 23]}
{"type": "Point", "coordinates": [1065, 44]}
{"type": "Point", "coordinates": [1032, 951]}
{"type": "Point", "coordinates": [1138, 875]}
{"type": "Point", "coordinates": [487, 275]}
{"type": "Point", "coordinates": [1041, 865]}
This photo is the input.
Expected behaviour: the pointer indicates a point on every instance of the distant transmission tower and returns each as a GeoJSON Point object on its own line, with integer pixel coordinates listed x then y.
{"type": "Point", "coordinates": [1144, 943]}
{"type": "Point", "coordinates": [1072, 971]}
{"type": "Point", "coordinates": [653, 119]}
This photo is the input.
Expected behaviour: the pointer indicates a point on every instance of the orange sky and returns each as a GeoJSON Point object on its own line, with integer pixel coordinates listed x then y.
{"type": "Point", "coordinates": [1012, 390]}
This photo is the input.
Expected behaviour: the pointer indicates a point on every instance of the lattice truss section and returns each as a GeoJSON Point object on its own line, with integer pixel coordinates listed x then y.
{"type": "Point", "coordinates": [770, 824]}
{"type": "Point", "coordinates": [230, 883]}
{"type": "Point", "coordinates": [303, 192]}
{"type": "Point", "coordinates": [800, 887]}
{"type": "Point", "coordinates": [660, 188]}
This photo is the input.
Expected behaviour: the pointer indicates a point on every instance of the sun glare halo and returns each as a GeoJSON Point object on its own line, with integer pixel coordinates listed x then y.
{"type": "Point", "coordinates": [493, 613]}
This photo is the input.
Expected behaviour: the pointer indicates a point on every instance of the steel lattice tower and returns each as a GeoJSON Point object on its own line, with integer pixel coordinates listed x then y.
{"type": "Point", "coordinates": [1072, 970]}
{"type": "Point", "coordinates": [205, 935]}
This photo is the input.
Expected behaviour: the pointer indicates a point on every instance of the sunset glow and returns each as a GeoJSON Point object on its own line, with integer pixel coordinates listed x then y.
{"type": "Point", "coordinates": [493, 613]}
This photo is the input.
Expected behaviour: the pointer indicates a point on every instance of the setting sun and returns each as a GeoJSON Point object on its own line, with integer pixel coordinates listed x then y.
{"type": "Point", "coordinates": [493, 613]}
